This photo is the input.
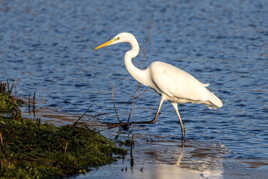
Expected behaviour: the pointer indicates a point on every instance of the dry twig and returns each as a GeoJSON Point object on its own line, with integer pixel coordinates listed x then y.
{"type": "Point", "coordinates": [80, 117]}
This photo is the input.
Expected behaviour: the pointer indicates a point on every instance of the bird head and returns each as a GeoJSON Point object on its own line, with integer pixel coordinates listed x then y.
{"type": "Point", "coordinates": [119, 38]}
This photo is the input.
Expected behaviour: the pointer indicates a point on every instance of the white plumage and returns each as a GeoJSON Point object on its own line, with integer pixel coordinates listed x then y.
{"type": "Point", "coordinates": [171, 83]}
{"type": "Point", "coordinates": [185, 88]}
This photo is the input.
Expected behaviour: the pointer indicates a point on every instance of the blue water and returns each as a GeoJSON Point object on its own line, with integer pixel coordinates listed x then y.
{"type": "Point", "coordinates": [47, 47]}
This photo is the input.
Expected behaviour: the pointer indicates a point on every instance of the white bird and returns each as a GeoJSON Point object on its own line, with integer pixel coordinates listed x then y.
{"type": "Point", "coordinates": [171, 83]}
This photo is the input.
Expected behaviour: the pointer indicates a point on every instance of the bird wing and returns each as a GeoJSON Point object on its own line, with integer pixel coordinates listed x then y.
{"type": "Point", "coordinates": [177, 83]}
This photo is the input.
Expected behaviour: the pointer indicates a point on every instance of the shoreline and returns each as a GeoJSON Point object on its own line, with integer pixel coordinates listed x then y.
{"type": "Point", "coordinates": [160, 156]}
{"type": "Point", "coordinates": [154, 157]}
{"type": "Point", "coordinates": [34, 148]}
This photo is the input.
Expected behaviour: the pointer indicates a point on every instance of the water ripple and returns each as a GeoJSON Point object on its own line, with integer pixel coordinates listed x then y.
{"type": "Point", "coordinates": [48, 47]}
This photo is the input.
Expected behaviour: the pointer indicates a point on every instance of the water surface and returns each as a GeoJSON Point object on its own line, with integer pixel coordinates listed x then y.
{"type": "Point", "coordinates": [47, 47]}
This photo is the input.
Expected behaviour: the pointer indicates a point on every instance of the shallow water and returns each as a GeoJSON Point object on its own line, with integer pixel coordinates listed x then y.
{"type": "Point", "coordinates": [47, 47]}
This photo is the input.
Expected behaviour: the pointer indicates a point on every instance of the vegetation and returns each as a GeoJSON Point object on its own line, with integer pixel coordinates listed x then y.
{"type": "Point", "coordinates": [29, 149]}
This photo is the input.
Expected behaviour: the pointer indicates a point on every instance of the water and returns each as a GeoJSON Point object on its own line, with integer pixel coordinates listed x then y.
{"type": "Point", "coordinates": [47, 47]}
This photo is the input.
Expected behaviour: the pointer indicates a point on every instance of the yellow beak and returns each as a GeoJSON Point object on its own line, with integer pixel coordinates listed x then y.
{"type": "Point", "coordinates": [104, 44]}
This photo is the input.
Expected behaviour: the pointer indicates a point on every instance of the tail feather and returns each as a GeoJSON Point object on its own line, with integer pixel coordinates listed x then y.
{"type": "Point", "coordinates": [214, 101]}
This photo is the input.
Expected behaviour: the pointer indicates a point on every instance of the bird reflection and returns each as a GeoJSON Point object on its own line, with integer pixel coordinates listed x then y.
{"type": "Point", "coordinates": [193, 160]}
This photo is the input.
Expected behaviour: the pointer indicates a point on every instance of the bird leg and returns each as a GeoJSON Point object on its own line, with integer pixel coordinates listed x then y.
{"type": "Point", "coordinates": [180, 156]}
{"type": "Point", "coordinates": [155, 117]}
{"type": "Point", "coordinates": [181, 123]}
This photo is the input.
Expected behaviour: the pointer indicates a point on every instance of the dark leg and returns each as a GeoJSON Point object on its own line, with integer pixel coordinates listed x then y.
{"type": "Point", "coordinates": [155, 117]}
{"type": "Point", "coordinates": [180, 153]}
{"type": "Point", "coordinates": [181, 123]}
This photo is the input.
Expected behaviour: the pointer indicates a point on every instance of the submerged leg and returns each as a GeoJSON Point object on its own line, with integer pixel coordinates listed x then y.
{"type": "Point", "coordinates": [181, 123]}
{"type": "Point", "coordinates": [156, 114]}
{"type": "Point", "coordinates": [180, 156]}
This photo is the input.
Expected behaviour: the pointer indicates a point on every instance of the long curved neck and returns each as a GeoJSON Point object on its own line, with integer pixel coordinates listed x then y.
{"type": "Point", "coordinates": [138, 74]}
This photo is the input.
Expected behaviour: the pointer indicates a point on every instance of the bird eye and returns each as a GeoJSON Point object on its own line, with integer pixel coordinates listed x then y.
{"type": "Point", "coordinates": [117, 38]}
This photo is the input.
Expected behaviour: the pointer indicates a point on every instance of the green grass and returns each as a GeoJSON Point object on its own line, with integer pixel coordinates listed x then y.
{"type": "Point", "coordinates": [29, 149]}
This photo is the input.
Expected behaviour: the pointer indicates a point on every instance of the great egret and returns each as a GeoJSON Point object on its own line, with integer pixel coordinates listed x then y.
{"type": "Point", "coordinates": [170, 82]}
